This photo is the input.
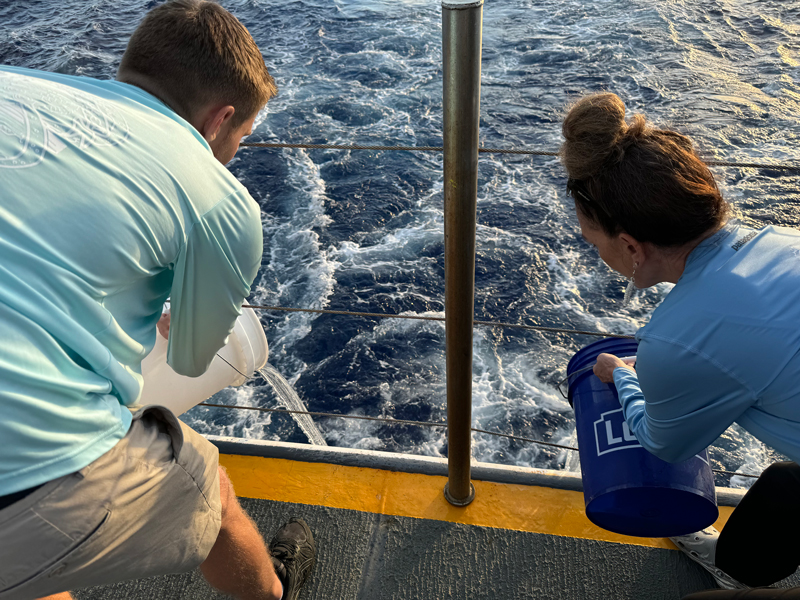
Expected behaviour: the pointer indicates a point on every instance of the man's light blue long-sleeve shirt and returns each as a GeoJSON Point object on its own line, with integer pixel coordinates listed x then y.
{"type": "Point", "coordinates": [723, 347]}
{"type": "Point", "coordinates": [109, 203]}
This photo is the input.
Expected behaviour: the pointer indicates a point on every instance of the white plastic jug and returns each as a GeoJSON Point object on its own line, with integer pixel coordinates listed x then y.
{"type": "Point", "coordinates": [246, 350]}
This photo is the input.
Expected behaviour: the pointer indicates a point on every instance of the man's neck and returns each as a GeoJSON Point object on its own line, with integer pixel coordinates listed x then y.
{"type": "Point", "coordinates": [152, 88]}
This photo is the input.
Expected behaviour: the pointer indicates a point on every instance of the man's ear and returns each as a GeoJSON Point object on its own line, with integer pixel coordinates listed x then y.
{"type": "Point", "coordinates": [213, 121]}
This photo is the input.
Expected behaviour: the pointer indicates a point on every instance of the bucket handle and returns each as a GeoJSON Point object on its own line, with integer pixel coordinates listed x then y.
{"type": "Point", "coordinates": [583, 370]}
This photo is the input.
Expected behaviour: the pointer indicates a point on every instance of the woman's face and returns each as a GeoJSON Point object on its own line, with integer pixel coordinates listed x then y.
{"type": "Point", "coordinates": [611, 249]}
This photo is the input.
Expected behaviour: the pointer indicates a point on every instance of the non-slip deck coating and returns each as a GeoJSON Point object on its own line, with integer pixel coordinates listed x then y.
{"type": "Point", "coordinates": [367, 556]}
{"type": "Point", "coordinates": [407, 543]}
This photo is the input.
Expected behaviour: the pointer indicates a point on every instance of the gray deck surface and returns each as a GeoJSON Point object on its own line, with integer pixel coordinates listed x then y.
{"type": "Point", "coordinates": [367, 556]}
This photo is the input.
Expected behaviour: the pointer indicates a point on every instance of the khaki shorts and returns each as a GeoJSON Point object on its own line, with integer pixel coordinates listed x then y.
{"type": "Point", "coordinates": [149, 506]}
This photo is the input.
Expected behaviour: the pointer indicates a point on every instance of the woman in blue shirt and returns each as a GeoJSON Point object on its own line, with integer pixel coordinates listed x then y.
{"type": "Point", "coordinates": [724, 345]}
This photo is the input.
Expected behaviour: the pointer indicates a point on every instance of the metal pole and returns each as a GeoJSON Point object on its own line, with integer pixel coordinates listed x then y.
{"type": "Point", "coordinates": [461, 45]}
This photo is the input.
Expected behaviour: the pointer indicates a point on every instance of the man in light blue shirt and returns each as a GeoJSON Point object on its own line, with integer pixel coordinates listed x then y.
{"type": "Point", "coordinates": [114, 197]}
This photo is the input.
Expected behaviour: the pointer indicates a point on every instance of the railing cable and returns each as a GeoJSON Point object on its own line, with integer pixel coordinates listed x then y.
{"type": "Point", "coordinates": [421, 318]}
{"type": "Point", "coordinates": [383, 420]}
{"type": "Point", "coordinates": [396, 148]}
{"type": "Point", "coordinates": [713, 163]}
{"type": "Point", "coordinates": [417, 424]}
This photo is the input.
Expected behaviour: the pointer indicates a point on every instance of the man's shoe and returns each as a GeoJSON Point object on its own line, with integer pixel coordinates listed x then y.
{"type": "Point", "coordinates": [294, 554]}
{"type": "Point", "coordinates": [701, 547]}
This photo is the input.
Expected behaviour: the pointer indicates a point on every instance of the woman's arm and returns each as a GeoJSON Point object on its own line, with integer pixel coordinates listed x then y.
{"type": "Point", "coordinates": [678, 401]}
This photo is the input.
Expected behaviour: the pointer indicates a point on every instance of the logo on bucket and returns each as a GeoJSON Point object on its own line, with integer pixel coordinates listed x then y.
{"type": "Point", "coordinates": [611, 433]}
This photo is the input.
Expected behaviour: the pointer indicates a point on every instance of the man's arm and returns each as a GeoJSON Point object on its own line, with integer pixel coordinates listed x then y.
{"type": "Point", "coordinates": [163, 325]}
{"type": "Point", "coordinates": [213, 275]}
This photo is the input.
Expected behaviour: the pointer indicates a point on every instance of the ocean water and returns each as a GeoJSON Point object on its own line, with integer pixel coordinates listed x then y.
{"type": "Point", "coordinates": [362, 230]}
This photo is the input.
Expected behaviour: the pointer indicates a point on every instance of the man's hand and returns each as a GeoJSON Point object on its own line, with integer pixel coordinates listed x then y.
{"type": "Point", "coordinates": [606, 363]}
{"type": "Point", "coordinates": [163, 325]}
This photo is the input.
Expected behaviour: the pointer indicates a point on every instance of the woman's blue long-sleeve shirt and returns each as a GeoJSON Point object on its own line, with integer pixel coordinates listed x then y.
{"type": "Point", "coordinates": [723, 347]}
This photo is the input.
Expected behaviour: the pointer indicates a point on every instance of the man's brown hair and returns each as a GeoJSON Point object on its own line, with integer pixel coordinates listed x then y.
{"type": "Point", "coordinates": [199, 53]}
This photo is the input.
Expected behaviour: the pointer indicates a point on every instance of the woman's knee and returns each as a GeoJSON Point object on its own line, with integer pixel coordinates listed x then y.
{"type": "Point", "coordinates": [783, 476]}
{"type": "Point", "coordinates": [782, 469]}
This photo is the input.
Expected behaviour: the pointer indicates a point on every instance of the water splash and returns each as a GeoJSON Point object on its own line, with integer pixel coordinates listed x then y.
{"type": "Point", "coordinates": [289, 399]}
{"type": "Point", "coordinates": [573, 459]}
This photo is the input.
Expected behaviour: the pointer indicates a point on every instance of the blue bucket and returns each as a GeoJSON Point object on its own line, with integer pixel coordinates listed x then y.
{"type": "Point", "coordinates": [627, 490]}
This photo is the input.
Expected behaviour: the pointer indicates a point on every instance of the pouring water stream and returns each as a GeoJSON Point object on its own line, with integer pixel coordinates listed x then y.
{"type": "Point", "coordinates": [290, 400]}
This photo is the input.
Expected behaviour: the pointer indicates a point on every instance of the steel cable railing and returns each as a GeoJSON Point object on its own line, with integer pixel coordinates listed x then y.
{"type": "Point", "coordinates": [515, 151]}
{"type": "Point", "coordinates": [422, 318]}
{"type": "Point", "coordinates": [401, 421]}
{"type": "Point", "coordinates": [713, 163]}
{"type": "Point", "coordinates": [416, 424]}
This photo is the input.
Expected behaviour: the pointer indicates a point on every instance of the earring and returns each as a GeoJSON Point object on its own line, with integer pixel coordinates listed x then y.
{"type": "Point", "coordinates": [631, 287]}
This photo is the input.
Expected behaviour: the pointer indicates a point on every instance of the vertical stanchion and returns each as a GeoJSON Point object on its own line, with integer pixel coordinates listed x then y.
{"type": "Point", "coordinates": [461, 46]}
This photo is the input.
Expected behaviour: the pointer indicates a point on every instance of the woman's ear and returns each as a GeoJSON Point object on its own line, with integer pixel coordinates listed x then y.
{"type": "Point", "coordinates": [632, 249]}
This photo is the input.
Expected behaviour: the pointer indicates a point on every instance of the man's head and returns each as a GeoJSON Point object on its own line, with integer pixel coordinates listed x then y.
{"type": "Point", "coordinates": [201, 61]}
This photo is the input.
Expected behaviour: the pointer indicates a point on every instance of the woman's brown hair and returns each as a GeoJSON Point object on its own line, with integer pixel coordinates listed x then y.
{"type": "Point", "coordinates": [630, 177]}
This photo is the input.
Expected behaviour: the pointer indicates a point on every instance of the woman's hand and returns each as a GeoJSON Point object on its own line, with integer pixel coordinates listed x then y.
{"type": "Point", "coordinates": [606, 363]}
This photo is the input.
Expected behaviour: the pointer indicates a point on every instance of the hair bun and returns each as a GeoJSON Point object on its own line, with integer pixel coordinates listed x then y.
{"type": "Point", "coordinates": [596, 134]}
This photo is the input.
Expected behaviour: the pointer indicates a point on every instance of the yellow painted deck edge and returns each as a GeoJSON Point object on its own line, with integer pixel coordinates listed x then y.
{"type": "Point", "coordinates": [518, 507]}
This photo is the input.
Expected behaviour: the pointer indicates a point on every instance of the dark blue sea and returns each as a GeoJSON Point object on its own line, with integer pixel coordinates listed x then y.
{"type": "Point", "coordinates": [363, 230]}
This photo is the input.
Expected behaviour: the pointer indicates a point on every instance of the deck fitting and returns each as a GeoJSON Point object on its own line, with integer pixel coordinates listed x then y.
{"type": "Point", "coordinates": [457, 502]}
